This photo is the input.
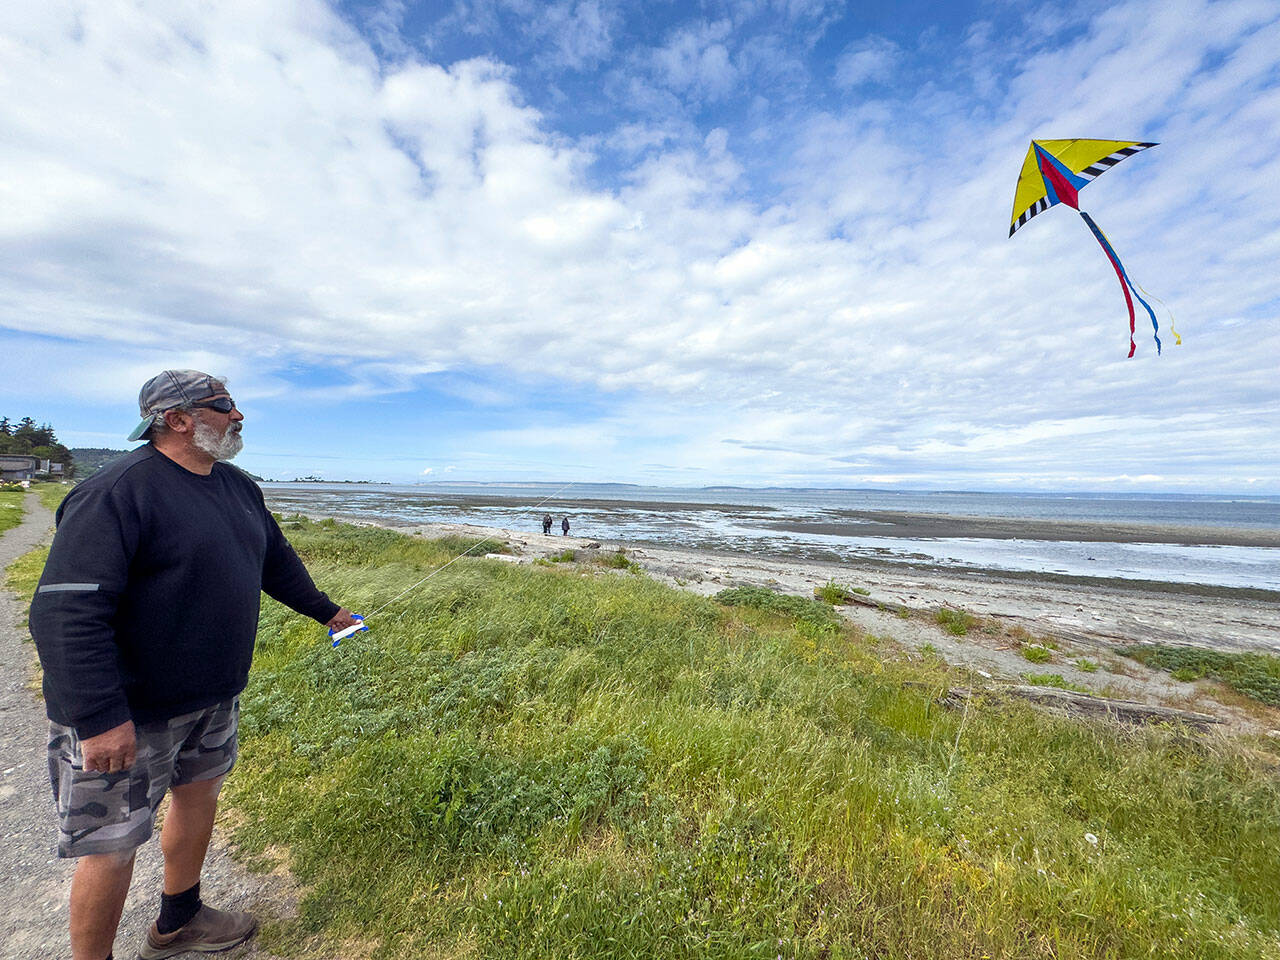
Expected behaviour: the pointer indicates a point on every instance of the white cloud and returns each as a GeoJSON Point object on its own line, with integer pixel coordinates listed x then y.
{"type": "Point", "coordinates": [243, 186]}
{"type": "Point", "coordinates": [695, 61]}
{"type": "Point", "coordinates": [869, 60]}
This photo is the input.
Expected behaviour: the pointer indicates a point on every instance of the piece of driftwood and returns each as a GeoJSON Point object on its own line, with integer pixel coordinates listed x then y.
{"type": "Point", "coordinates": [862, 600]}
{"type": "Point", "coordinates": [1088, 705]}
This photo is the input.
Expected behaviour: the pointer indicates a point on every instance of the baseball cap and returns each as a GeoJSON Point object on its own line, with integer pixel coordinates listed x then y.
{"type": "Point", "coordinates": [169, 389]}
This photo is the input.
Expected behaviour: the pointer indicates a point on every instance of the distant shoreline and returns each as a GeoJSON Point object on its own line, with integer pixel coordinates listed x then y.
{"type": "Point", "coordinates": [882, 523]}
{"type": "Point", "coordinates": [1108, 610]}
{"type": "Point", "coordinates": [909, 525]}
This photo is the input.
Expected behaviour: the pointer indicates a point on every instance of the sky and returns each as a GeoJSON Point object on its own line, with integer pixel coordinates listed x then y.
{"type": "Point", "coordinates": [755, 242]}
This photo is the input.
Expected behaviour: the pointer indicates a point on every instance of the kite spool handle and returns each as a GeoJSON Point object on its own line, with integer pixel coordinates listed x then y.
{"type": "Point", "coordinates": [348, 631]}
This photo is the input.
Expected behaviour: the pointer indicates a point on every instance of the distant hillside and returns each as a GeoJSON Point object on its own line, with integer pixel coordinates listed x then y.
{"type": "Point", "coordinates": [89, 460]}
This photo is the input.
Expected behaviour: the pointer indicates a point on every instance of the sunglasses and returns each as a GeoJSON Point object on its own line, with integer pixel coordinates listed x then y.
{"type": "Point", "coordinates": [221, 404]}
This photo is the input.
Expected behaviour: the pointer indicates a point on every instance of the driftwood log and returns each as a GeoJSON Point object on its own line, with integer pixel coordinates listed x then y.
{"type": "Point", "coordinates": [862, 600]}
{"type": "Point", "coordinates": [1088, 705]}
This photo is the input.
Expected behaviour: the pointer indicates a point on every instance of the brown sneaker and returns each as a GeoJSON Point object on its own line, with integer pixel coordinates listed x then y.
{"type": "Point", "coordinates": [208, 931]}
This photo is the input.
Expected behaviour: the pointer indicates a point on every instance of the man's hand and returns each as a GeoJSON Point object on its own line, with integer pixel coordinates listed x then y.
{"type": "Point", "coordinates": [341, 620]}
{"type": "Point", "coordinates": [112, 751]}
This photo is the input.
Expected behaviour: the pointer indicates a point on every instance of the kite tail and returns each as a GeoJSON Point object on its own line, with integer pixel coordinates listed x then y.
{"type": "Point", "coordinates": [1172, 329]}
{"type": "Point", "coordinates": [1155, 327]}
{"type": "Point", "coordinates": [1135, 287]}
{"type": "Point", "coordinates": [1120, 275]}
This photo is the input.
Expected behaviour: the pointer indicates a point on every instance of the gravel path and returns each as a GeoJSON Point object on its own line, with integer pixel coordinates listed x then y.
{"type": "Point", "coordinates": [34, 883]}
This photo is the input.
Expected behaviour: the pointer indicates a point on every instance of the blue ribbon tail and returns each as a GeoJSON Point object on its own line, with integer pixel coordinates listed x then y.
{"type": "Point", "coordinates": [1155, 327]}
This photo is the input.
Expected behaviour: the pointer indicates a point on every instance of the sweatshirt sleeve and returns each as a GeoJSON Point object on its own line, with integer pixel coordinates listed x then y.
{"type": "Point", "coordinates": [284, 578]}
{"type": "Point", "coordinates": [73, 611]}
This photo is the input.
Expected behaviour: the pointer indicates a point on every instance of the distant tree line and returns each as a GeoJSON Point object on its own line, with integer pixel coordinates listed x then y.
{"type": "Point", "coordinates": [26, 437]}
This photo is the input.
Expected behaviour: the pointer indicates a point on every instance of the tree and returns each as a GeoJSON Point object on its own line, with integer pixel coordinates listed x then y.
{"type": "Point", "coordinates": [36, 441]}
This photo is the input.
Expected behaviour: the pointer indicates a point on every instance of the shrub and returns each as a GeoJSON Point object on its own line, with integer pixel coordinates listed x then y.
{"type": "Point", "coordinates": [836, 594]}
{"type": "Point", "coordinates": [955, 622]}
{"type": "Point", "coordinates": [761, 598]}
{"type": "Point", "coordinates": [1255, 674]}
{"type": "Point", "coordinates": [619, 561]}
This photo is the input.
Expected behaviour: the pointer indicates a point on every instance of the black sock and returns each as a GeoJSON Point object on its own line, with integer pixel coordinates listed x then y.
{"type": "Point", "coordinates": [177, 910]}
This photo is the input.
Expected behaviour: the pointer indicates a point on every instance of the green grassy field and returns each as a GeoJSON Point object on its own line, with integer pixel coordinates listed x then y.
{"type": "Point", "coordinates": [11, 507]}
{"type": "Point", "coordinates": [23, 573]}
{"type": "Point", "coordinates": [569, 760]}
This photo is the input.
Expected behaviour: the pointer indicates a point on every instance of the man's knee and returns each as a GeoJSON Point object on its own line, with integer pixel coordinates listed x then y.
{"type": "Point", "coordinates": [113, 862]}
{"type": "Point", "coordinates": [196, 799]}
{"type": "Point", "coordinates": [196, 791]}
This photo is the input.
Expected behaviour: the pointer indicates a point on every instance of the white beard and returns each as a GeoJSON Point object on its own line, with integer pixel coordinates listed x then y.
{"type": "Point", "coordinates": [220, 447]}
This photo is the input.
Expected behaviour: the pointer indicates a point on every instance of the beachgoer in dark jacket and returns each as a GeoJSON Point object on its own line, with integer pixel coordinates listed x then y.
{"type": "Point", "coordinates": [144, 619]}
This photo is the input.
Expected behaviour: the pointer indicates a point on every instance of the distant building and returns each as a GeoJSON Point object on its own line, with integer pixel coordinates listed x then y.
{"type": "Point", "coordinates": [19, 466]}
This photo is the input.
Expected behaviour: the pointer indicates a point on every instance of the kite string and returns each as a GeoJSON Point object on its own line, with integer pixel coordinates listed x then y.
{"type": "Point", "coordinates": [464, 553]}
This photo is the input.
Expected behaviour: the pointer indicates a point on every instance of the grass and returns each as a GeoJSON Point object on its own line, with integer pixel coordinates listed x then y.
{"type": "Point", "coordinates": [618, 560]}
{"type": "Point", "coordinates": [838, 594]}
{"type": "Point", "coordinates": [1255, 674]}
{"type": "Point", "coordinates": [1053, 680]}
{"type": "Point", "coordinates": [956, 622]}
{"type": "Point", "coordinates": [11, 508]}
{"type": "Point", "coordinates": [22, 575]}
{"type": "Point", "coordinates": [1035, 653]}
{"type": "Point", "coordinates": [525, 761]}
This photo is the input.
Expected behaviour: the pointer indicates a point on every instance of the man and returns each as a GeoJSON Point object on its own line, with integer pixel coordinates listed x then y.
{"type": "Point", "coordinates": [145, 619]}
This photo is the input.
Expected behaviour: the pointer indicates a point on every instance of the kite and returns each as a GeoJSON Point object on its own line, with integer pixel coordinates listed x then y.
{"type": "Point", "coordinates": [1054, 172]}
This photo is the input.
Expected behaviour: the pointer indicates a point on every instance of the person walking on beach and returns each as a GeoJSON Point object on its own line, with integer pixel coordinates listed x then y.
{"type": "Point", "coordinates": [546, 525]}
{"type": "Point", "coordinates": [564, 527]}
{"type": "Point", "coordinates": [144, 619]}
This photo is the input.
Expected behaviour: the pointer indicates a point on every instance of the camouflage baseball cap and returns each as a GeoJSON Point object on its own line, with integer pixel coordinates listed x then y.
{"type": "Point", "coordinates": [169, 389]}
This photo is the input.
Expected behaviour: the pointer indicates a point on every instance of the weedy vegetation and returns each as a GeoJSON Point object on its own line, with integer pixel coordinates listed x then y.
{"type": "Point", "coordinates": [11, 508]}
{"type": "Point", "coordinates": [530, 762]}
{"type": "Point", "coordinates": [1254, 674]}
{"type": "Point", "coordinates": [1035, 653]}
{"type": "Point", "coordinates": [618, 560]}
{"type": "Point", "coordinates": [956, 622]}
{"type": "Point", "coordinates": [1053, 680]}
{"type": "Point", "coordinates": [838, 594]}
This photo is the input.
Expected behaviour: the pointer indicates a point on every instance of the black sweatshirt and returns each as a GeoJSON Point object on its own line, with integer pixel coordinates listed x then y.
{"type": "Point", "coordinates": [148, 605]}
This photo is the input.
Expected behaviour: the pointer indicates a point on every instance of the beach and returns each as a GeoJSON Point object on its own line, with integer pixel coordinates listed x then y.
{"type": "Point", "coordinates": [1201, 542]}
{"type": "Point", "coordinates": [1087, 575]}
{"type": "Point", "coordinates": [1083, 618]}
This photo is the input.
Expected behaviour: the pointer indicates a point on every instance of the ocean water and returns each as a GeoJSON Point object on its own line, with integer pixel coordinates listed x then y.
{"type": "Point", "coordinates": [756, 521]}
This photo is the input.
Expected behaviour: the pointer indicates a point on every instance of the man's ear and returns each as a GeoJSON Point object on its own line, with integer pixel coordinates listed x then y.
{"type": "Point", "coordinates": [178, 421]}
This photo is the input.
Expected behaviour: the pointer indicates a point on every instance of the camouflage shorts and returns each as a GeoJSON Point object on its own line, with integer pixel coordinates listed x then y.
{"type": "Point", "coordinates": [115, 812]}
